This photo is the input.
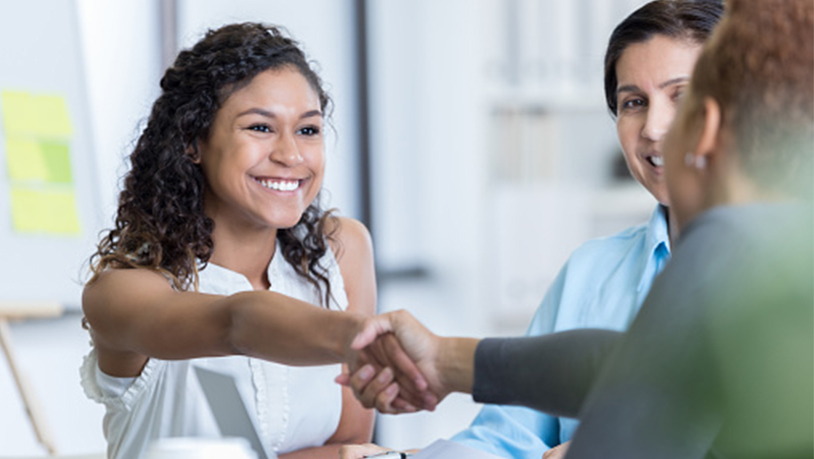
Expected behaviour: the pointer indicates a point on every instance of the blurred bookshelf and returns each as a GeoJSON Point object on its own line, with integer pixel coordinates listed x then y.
{"type": "Point", "coordinates": [553, 156]}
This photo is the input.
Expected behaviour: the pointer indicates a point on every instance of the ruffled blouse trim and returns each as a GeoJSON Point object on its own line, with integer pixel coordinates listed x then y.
{"type": "Point", "coordinates": [93, 391]}
{"type": "Point", "coordinates": [87, 374]}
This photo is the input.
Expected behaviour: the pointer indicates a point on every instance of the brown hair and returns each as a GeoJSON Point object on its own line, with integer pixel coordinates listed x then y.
{"type": "Point", "coordinates": [759, 66]}
{"type": "Point", "coordinates": [160, 223]}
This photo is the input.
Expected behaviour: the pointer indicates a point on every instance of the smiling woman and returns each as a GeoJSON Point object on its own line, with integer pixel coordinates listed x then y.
{"type": "Point", "coordinates": [652, 77]}
{"type": "Point", "coordinates": [222, 257]}
{"type": "Point", "coordinates": [264, 158]}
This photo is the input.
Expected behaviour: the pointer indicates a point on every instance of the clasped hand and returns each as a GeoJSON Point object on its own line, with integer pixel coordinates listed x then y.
{"type": "Point", "coordinates": [396, 367]}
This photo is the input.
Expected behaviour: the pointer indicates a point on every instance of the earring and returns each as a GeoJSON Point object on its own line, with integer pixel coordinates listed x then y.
{"type": "Point", "coordinates": [698, 162]}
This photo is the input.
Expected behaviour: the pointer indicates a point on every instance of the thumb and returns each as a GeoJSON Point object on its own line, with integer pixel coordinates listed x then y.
{"type": "Point", "coordinates": [343, 379]}
{"type": "Point", "coordinates": [372, 328]}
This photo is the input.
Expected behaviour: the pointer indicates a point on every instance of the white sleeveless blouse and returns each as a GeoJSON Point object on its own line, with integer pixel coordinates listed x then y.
{"type": "Point", "coordinates": [296, 407]}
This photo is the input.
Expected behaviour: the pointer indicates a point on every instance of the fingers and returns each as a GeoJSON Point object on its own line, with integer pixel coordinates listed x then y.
{"type": "Point", "coordinates": [413, 384]}
{"type": "Point", "coordinates": [387, 371]}
{"type": "Point", "coordinates": [377, 390]}
{"type": "Point", "coordinates": [382, 382]}
{"type": "Point", "coordinates": [558, 452]}
{"type": "Point", "coordinates": [407, 369]}
{"type": "Point", "coordinates": [360, 451]}
{"type": "Point", "coordinates": [388, 352]}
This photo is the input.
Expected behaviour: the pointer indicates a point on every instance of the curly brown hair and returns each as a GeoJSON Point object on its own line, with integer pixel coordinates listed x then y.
{"type": "Point", "coordinates": [759, 66]}
{"type": "Point", "coordinates": [160, 223]}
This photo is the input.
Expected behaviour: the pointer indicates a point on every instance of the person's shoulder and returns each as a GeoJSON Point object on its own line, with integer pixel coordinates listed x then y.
{"type": "Point", "coordinates": [613, 246]}
{"type": "Point", "coordinates": [117, 277]}
{"type": "Point", "coordinates": [348, 236]}
{"type": "Point", "coordinates": [114, 282]}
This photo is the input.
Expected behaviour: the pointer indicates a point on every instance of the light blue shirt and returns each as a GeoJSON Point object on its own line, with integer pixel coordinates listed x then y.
{"type": "Point", "coordinates": [602, 285]}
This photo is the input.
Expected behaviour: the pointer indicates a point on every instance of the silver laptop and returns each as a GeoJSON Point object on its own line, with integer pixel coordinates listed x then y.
{"type": "Point", "coordinates": [230, 411]}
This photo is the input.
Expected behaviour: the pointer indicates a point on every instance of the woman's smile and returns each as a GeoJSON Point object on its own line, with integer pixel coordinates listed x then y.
{"type": "Point", "coordinates": [277, 184]}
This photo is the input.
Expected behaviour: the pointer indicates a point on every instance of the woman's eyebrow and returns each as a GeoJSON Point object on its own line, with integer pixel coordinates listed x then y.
{"type": "Point", "coordinates": [311, 113]}
{"type": "Point", "coordinates": [270, 114]}
{"type": "Point", "coordinates": [670, 82]}
{"type": "Point", "coordinates": [628, 88]}
{"type": "Point", "coordinates": [676, 80]}
{"type": "Point", "coordinates": [257, 111]}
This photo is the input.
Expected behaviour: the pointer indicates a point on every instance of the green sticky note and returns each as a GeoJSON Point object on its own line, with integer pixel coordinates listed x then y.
{"type": "Point", "coordinates": [57, 160]}
{"type": "Point", "coordinates": [25, 160]}
{"type": "Point", "coordinates": [50, 113]}
{"type": "Point", "coordinates": [29, 160]}
{"type": "Point", "coordinates": [44, 211]}
{"type": "Point", "coordinates": [17, 115]}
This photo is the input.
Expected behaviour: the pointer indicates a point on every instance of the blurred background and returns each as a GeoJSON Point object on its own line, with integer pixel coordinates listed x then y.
{"type": "Point", "coordinates": [471, 136]}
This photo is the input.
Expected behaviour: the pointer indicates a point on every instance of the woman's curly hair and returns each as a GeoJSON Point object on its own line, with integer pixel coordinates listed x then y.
{"type": "Point", "coordinates": [759, 66]}
{"type": "Point", "coordinates": [161, 224]}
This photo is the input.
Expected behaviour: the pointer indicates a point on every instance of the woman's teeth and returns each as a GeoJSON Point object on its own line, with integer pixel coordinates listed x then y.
{"type": "Point", "coordinates": [657, 161]}
{"type": "Point", "coordinates": [280, 185]}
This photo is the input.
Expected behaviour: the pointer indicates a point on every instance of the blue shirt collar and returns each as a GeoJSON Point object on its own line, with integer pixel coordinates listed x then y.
{"type": "Point", "coordinates": [657, 244]}
{"type": "Point", "coordinates": [657, 232]}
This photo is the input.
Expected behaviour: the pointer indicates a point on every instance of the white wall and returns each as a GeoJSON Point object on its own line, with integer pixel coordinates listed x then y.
{"type": "Point", "coordinates": [122, 60]}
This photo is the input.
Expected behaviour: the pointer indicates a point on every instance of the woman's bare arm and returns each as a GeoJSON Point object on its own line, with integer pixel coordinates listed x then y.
{"type": "Point", "coordinates": [134, 314]}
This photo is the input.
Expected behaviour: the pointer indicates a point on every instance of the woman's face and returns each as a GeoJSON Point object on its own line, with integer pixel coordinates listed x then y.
{"type": "Point", "coordinates": [264, 159]}
{"type": "Point", "coordinates": [652, 76]}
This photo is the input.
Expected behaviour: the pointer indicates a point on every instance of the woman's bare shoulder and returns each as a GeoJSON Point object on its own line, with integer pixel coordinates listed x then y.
{"type": "Point", "coordinates": [349, 237]}
{"type": "Point", "coordinates": [117, 285]}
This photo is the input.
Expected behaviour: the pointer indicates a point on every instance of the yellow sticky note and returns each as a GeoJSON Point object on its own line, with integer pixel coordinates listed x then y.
{"type": "Point", "coordinates": [41, 115]}
{"type": "Point", "coordinates": [50, 116]}
{"type": "Point", "coordinates": [44, 211]}
{"type": "Point", "coordinates": [25, 160]}
{"type": "Point", "coordinates": [17, 115]}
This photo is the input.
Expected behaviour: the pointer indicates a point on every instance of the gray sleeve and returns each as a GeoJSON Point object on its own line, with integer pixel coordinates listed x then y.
{"type": "Point", "coordinates": [551, 373]}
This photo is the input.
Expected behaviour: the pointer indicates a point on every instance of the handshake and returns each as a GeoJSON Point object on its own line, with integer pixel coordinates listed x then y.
{"type": "Point", "coordinates": [398, 366]}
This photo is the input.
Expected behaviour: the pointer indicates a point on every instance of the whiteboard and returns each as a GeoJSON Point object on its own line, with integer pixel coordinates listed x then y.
{"type": "Point", "coordinates": [41, 54]}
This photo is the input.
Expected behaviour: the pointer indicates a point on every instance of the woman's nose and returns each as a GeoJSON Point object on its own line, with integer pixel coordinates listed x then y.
{"type": "Point", "coordinates": [286, 151]}
{"type": "Point", "coordinates": [659, 117]}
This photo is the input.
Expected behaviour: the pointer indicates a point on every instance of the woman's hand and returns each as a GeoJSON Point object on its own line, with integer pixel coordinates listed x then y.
{"type": "Point", "coordinates": [361, 451]}
{"type": "Point", "coordinates": [408, 349]}
{"type": "Point", "coordinates": [557, 452]}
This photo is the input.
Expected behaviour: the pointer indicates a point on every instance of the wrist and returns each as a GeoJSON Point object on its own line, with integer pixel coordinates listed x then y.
{"type": "Point", "coordinates": [350, 326]}
{"type": "Point", "coordinates": [455, 361]}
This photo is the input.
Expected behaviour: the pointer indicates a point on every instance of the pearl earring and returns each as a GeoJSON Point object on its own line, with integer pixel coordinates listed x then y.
{"type": "Point", "coordinates": [698, 162]}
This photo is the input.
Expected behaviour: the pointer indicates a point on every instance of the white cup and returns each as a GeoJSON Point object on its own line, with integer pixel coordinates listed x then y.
{"type": "Point", "coordinates": [200, 448]}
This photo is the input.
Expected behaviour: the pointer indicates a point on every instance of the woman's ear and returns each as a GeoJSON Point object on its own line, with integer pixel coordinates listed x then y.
{"type": "Point", "coordinates": [193, 152]}
{"type": "Point", "coordinates": [709, 142]}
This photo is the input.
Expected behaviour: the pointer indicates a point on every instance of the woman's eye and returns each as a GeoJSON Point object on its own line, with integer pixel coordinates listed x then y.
{"type": "Point", "coordinates": [309, 130]}
{"type": "Point", "coordinates": [633, 104]}
{"type": "Point", "coordinates": [260, 128]}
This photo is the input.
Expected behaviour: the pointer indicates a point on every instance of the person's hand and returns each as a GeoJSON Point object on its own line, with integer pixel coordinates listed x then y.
{"type": "Point", "coordinates": [557, 452]}
{"type": "Point", "coordinates": [361, 451]}
{"type": "Point", "coordinates": [414, 346]}
{"type": "Point", "coordinates": [377, 384]}
{"type": "Point", "coordinates": [372, 367]}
